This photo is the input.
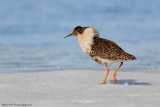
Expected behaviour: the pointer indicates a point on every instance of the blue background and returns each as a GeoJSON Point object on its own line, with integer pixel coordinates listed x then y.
{"type": "Point", "coordinates": [32, 31]}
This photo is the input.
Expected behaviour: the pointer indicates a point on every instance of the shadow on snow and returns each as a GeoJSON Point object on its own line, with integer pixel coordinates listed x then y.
{"type": "Point", "coordinates": [130, 82]}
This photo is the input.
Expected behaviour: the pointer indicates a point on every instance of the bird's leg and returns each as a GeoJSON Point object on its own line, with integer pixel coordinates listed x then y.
{"type": "Point", "coordinates": [114, 75]}
{"type": "Point", "coordinates": [104, 82]}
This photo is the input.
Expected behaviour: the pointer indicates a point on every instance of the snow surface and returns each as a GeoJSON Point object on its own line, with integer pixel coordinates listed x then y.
{"type": "Point", "coordinates": [81, 88]}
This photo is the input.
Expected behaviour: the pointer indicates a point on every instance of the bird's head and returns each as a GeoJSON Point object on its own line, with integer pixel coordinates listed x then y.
{"type": "Point", "coordinates": [77, 30]}
{"type": "Point", "coordinates": [85, 31]}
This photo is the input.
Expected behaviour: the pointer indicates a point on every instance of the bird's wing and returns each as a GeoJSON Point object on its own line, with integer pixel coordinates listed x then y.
{"type": "Point", "coordinates": [109, 49]}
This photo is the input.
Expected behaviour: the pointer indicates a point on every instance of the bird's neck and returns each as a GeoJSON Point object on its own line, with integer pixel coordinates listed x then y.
{"type": "Point", "coordinates": [86, 40]}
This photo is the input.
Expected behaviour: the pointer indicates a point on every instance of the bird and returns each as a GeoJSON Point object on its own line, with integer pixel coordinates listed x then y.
{"type": "Point", "coordinates": [103, 51]}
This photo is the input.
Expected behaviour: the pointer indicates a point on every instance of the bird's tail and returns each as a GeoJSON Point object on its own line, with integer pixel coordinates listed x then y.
{"type": "Point", "coordinates": [131, 57]}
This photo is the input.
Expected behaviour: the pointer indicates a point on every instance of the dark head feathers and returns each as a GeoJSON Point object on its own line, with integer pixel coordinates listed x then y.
{"type": "Point", "coordinates": [80, 29]}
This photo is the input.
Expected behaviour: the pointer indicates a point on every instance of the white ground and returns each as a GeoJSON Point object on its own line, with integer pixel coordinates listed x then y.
{"type": "Point", "coordinates": [81, 88]}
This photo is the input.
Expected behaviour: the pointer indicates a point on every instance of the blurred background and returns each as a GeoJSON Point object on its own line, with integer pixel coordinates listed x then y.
{"type": "Point", "coordinates": [32, 33]}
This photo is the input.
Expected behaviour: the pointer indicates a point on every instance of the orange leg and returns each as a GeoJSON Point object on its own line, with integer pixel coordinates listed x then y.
{"type": "Point", "coordinates": [114, 75]}
{"type": "Point", "coordinates": [104, 82]}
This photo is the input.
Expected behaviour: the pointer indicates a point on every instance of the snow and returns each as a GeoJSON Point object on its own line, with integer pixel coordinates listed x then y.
{"type": "Point", "coordinates": [81, 88]}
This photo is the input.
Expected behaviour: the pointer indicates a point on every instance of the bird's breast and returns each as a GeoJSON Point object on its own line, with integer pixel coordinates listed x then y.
{"type": "Point", "coordinates": [85, 43]}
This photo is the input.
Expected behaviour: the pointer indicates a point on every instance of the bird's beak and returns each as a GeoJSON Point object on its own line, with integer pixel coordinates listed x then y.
{"type": "Point", "coordinates": [68, 35]}
{"type": "Point", "coordinates": [73, 33]}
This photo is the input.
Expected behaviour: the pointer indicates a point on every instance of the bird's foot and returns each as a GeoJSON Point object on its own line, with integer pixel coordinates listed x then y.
{"type": "Point", "coordinates": [104, 82]}
{"type": "Point", "coordinates": [114, 78]}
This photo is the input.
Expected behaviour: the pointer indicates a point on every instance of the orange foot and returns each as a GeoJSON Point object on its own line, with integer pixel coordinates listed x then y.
{"type": "Point", "coordinates": [114, 78]}
{"type": "Point", "coordinates": [103, 82]}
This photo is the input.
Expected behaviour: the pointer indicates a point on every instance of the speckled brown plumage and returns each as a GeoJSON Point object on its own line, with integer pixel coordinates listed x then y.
{"type": "Point", "coordinates": [107, 49]}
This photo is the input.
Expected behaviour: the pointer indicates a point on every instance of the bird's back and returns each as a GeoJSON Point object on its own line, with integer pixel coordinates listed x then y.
{"type": "Point", "coordinates": [106, 49]}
